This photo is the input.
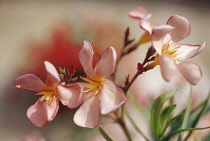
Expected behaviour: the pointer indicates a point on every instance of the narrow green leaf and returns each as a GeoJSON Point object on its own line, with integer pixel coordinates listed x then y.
{"type": "Point", "coordinates": [175, 122]}
{"type": "Point", "coordinates": [201, 113]}
{"type": "Point", "coordinates": [166, 113]}
{"type": "Point", "coordinates": [135, 126]}
{"type": "Point", "coordinates": [156, 110]}
{"type": "Point", "coordinates": [187, 113]}
{"type": "Point", "coordinates": [105, 135]}
{"type": "Point", "coordinates": [182, 130]}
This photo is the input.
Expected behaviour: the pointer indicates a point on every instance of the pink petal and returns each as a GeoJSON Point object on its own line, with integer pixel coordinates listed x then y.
{"type": "Point", "coordinates": [190, 71]}
{"type": "Point", "coordinates": [145, 24]}
{"type": "Point", "coordinates": [86, 58]}
{"type": "Point", "coordinates": [70, 95]}
{"type": "Point", "coordinates": [200, 48]}
{"type": "Point", "coordinates": [40, 113]}
{"type": "Point", "coordinates": [52, 75]}
{"type": "Point", "coordinates": [185, 51]}
{"type": "Point", "coordinates": [182, 28]}
{"type": "Point", "coordinates": [137, 13]}
{"type": "Point", "coordinates": [29, 82]}
{"type": "Point", "coordinates": [167, 67]}
{"type": "Point", "coordinates": [158, 34]}
{"type": "Point", "coordinates": [88, 114]}
{"type": "Point", "coordinates": [111, 97]}
{"type": "Point", "coordinates": [36, 114]}
{"type": "Point", "coordinates": [106, 65]}
{"type": "Point", "coordinates": [51, 109]}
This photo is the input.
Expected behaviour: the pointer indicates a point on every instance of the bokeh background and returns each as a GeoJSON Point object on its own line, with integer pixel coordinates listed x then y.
{"type": "Point", "coordinates": [33, 31]}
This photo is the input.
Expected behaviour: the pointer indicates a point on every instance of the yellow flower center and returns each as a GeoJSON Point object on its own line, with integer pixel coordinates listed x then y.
{"type": "Point", "coordinates": [49, 94]}
{"type": "Point", "coordinates": [169, 51]}
{"type": "Point", "coordinates": [95, 84]}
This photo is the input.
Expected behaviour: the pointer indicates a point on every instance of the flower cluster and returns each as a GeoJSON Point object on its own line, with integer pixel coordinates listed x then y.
{"type": "Point", "coordinates": [98, 94]}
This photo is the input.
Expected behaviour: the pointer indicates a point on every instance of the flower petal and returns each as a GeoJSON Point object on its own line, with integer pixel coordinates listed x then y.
{"type": "Point", "coordinates": [40, 113]}
{"type": "Point", "coordinates": [158, 34]}
{"type": "Point", "coordinates": [111, 97]}
{"type": "Point", "coordinates": [107, 63]}
{"type": "Point", "coordinates": [70, 95]}
{"type": "Point", "coordinates": [88, 114]}
{"type": "Point", "coordinates": [29, 82]}
{"type": "Point", "coordinates": [182, 28]}
{"type": "Point", "coordinates": [167, 67]}
{"type": "Point", "coordinates": [145, 24]}
{"type": "Point", "coordinates": [190, 71]}
{"type": "Point", "coordinates": [185, 51]}
{"type": "Point", "coordinates": [52, 75]}
{"type": "Point", "coordinates": [86, 58]}
{"type": "Point", "coordinates": [137, 13]}
{"type": "Point", "coordinates": [35, 114]}
{"type": "Point", "coordinates": [51, 109]}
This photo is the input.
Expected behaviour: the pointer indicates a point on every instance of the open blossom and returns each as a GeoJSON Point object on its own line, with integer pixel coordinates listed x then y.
{"type": "Point", "coordinates": [46, 107]}
{"type": "Point", "coordinates": [164, 40]}
{"type": "Point", "coordinates": [101, 96]}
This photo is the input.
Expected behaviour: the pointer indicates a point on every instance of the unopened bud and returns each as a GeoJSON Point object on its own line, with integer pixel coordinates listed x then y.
{"type": "Point", "coordinates": [140, 66]}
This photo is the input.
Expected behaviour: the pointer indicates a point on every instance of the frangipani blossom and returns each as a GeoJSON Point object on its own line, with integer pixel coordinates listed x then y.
{"type": "Point", "coordinates": [46, 107]}
{"type": "Point", "coordinates": [101, 96]}
{"type": "Point", "coordinates": [164, 40]}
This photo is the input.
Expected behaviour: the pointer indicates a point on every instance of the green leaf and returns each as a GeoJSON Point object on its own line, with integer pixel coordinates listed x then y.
{"type": "Point", "coordinates": [155, 120]}
{"type": "Point", "coordinates": [175, 122]}
{"type": "Point", "coordinates": [182, 130]}
{"type": "Point", "coordinates": [200, 114]}
{"type": "Point", "coordinates": [186, 114]}
{"type": "Point", "coordinates": [166, 113]}
{"type": "Point", "coordinates": [105, 135]}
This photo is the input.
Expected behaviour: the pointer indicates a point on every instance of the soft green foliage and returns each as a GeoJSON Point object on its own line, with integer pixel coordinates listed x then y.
{"type": "Point", "coordinates": [186, 114]}
{"type": "Point", "coordinates": [157, 113]}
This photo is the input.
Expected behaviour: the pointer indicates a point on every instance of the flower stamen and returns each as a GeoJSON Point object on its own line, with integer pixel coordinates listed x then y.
{"type": "Point", "coordinates": [49, 94]}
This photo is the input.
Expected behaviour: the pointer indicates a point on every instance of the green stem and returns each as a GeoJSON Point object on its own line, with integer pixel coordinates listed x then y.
{"type": "Point", "coordinates": [122, 124]}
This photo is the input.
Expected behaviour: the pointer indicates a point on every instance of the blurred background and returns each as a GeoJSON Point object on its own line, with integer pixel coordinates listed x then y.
{"type": "Point", "coordinates": [34, 31]}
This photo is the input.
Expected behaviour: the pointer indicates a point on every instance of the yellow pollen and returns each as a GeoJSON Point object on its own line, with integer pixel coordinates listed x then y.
{"type": "Point", "coordinates": [49, 94]}
{"type": "Point", "coordinates": [95, 84]}
{"type": "Point", "coordinates": [172, 52]}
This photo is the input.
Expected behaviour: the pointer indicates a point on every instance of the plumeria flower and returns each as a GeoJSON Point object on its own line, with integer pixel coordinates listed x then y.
{"type": "Point", "coordinates": [165, 39]}
{"type": "Point", "coordinates": [46, 107]}
{"type": "Point", "coordinates": [101, 96]}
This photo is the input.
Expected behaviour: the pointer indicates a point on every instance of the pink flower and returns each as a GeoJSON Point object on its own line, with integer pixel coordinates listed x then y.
{"type": "Point", "coordinates": [164, 40]}
{"type": "Point", "coordinates": [101, 96]}
{"type": "Point", "coordinates": [46, 107]}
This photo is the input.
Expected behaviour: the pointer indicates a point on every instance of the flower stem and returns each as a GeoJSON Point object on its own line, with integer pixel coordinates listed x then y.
{"type": "Point", "coordinates": [122, 124]}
